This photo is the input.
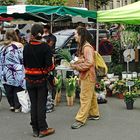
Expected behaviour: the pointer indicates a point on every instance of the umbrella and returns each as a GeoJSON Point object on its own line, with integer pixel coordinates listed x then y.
{"type": "Point", "coordinates": [60, 12]}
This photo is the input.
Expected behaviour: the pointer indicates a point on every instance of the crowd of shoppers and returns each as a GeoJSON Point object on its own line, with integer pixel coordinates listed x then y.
{"type": "Point", "coordinates": [31, 67]}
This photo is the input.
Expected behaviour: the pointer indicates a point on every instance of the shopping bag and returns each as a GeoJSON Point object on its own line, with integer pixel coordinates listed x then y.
{"type": "Point", "coordinates": [24, 100]}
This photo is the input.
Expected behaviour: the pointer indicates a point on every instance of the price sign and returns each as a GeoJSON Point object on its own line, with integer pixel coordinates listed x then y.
{"type": "Point", "coordinates": [107, 58]}
{"type": "Point", "coordinates": [129, 83]}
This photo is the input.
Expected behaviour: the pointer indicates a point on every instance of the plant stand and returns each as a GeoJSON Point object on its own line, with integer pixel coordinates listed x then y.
{"type": "Point", "coordinates": [57, 98]}
{"type": "Point", "coordinates": [129, 105]}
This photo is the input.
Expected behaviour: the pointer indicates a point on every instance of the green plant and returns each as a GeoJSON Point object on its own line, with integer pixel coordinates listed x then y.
{"type": "Point", "coordinates": [100, 86]}
{"type": "Point", "coordinates": [130, 39]}
{"type": "Point", "coordinates": [118, 69]}
{"type": "Point", "coordinates": [130, 96]}
{"type": "Point", "coordinates": [58, 83]}
{"type": "Point", "coordinates": [120, 86]}
{"type": "Point", "coordinates": [64, 54]}
{"type": "Point", "coordinates": [70, 86]}
{"type": "Point", "coordinates": [137, 83]}
{"type": "Point", "coordinates": [47, 2]}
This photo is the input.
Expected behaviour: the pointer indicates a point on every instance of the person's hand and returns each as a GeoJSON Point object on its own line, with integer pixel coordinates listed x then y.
{"type": "Point", "coordinates": [72, 65]}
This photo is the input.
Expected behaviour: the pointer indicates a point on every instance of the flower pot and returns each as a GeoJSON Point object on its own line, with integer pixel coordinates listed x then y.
{"type": "Point", "coordinates": [109, 93]}
{"type": "Point", "coordinates": [129, 105]}
{"type": "Point", "coordinates": [120, 96]}
{"type": "Point", "coordinates": [57, 98]}
{"type": "Point", "coordinates": [70, 100]}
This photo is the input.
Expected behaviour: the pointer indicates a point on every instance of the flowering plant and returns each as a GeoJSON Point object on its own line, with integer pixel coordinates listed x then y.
{"type": "Point", "coordinates": [58, 83]}
{"type": "Point", "coordinates": [71, 86]}
{"type": "Point", "coordinates": [130, 96]}
{"type": "Point", "coordinates": [120, 86]}
{"type": "Point", "coordinates": [100, 86]}
{"type": "Point", "coordinates": [137, 83]}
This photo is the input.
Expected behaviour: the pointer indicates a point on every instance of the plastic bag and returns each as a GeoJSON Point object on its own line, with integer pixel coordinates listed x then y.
{"type": "Point", "coordinates": [24, 100]}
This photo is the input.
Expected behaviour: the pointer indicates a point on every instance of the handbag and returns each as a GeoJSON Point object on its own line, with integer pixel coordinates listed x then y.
{"type": "Point", "coordinates": [24, 100]}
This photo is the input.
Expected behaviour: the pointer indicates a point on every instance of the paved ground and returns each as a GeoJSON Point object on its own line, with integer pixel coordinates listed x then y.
{"type": "Point", "coordinates": [116, 123]}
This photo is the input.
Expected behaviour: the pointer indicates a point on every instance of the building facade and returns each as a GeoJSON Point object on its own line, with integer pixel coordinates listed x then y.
{"type": "Point", "coordinates": [90, 3]}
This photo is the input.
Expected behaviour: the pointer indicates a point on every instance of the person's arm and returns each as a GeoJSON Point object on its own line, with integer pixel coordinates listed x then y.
{"type": "Point", "coordinates": [88, 61]}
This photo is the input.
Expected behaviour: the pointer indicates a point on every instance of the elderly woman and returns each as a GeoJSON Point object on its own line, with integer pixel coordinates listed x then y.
{"type": "Point", "coordinates": [12, 69]}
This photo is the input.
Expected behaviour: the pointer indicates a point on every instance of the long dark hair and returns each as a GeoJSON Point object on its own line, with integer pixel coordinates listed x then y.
{"type": "Point", "coordinates": [85, 37]}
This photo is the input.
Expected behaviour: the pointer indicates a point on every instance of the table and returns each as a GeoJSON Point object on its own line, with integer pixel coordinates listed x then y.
{"type": "Point", "coordinates": [63, 70]}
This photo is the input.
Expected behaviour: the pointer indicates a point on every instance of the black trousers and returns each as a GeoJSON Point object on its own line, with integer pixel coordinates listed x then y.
{"type": "Point", "coordinates": [38, 97]}
{"type": "Point", "coordinates": [51, 85]}
{"type": "Point", "coordinates": [11, 94]}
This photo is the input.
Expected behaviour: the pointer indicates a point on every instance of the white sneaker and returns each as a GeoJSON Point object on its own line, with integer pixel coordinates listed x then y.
{"type": "Point", "coordinates": [11, 108]}
{"type": "Point", "coordinates": [17, 110]}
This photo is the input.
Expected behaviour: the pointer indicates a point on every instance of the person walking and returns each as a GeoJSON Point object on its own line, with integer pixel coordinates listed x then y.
{"type": "Point", "coordinates": [12, 69]}
{"type": "Point", "coordinates": [86, 67]}
{"type": "Point", "coordinates": [38, 63]}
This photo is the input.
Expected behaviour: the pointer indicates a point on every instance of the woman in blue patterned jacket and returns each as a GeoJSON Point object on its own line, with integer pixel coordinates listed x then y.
{"type": "Point", "coordinates": [11, 68]}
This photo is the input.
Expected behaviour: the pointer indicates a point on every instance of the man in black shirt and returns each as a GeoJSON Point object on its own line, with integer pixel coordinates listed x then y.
{"type": "Point", "coordinates": [51, 41]}
{"type": "Point", "coordinates": [48, 36]}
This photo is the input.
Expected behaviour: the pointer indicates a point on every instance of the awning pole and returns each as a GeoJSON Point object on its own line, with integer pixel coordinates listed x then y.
{"type": "Point", "coordinates": [51, 23]}
{"type": "Point", "coordinates": [97, 37]}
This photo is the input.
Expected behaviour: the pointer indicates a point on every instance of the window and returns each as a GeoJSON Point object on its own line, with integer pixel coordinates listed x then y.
{"type": "Point", "coordinates": [111, 4]}
{"type": "Point", "coordinates": [118, 3]}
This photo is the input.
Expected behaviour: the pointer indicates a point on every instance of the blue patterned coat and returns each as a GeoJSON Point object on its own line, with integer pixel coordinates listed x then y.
{"type": "Point", "coordinates": [11, 65]}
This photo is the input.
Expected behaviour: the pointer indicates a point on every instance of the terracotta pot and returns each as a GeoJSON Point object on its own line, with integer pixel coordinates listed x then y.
{"type": "Point", "coordinates": [57, 98]}
{"type": "Point", "coordinates": [120, 96]}
{"type": "Point", "coordinates": [70, 100]}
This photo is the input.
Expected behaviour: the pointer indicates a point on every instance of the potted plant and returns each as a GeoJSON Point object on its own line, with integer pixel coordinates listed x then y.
{"type": "Point", "coordinates": [100, 89]}
{"type": "Point", "coordinates": [58, 84]}
{"type": "Point", "coordinates": [64, 54]}
{"type": "Point", "coordinates": [70, 90]}
{"type": "Point", "coordinates": [137, 85]}
{"type": "Point", "coordinates": [100, 86]}
{"type": "Point", "coordinates": [129, 98]}
{"type": "Point", "coordinates": [120, 88]}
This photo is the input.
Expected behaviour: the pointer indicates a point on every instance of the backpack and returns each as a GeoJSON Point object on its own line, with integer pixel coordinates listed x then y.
{"type": "Point", "coordinates": [100, 65]}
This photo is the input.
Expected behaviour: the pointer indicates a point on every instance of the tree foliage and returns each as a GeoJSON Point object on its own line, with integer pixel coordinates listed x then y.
{"type": "Point", "coordinates": [99, 3]}
{"type": "Point", "coordinates": [7, 2]}
{"type": "Point", "coordinates": [47, 2]}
